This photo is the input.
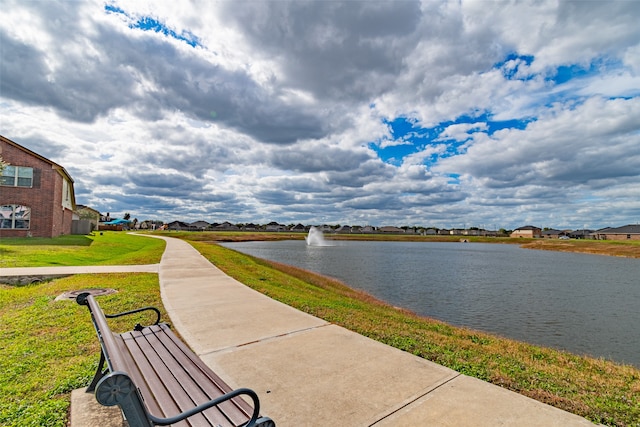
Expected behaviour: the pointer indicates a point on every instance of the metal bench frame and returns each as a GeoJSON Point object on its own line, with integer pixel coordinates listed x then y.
{"type": "Point", "coordinates": [123, 381]}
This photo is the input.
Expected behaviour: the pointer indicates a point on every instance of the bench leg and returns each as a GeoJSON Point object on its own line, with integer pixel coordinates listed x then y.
{"type": "Point", "coordinates": [100, 372]}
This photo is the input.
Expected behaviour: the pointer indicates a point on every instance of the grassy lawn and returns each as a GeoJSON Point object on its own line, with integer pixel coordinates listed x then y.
{"type": "Point", "coordinates": [108, 248]}
{"type": "Point", "coordinates": [49, 347]}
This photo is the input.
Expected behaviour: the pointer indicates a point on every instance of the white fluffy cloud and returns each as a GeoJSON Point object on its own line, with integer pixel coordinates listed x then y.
{"type": "Point", "coordinates": [523, 112]}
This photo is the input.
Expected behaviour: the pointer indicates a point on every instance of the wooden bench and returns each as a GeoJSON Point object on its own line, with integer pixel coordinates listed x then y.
{"type": "Point", "coordinates": [156, 379]}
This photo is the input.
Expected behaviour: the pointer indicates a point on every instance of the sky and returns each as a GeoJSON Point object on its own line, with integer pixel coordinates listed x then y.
{"type": "Point", "coordinates": [437, 114]}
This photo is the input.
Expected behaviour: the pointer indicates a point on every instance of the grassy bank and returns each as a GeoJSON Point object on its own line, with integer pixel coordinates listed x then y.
{"type": "Point", "coordinates": [599, 390]}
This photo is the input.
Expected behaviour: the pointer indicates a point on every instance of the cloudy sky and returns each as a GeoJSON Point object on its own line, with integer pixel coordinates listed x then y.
{"type": "Point", "coordinates": [447, 114]}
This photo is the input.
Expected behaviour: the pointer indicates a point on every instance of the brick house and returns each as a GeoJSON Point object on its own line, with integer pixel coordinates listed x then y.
{"type": "Point", "coordinates": [553, 234]}
{"type": "Point", "coordinates": [626, 232]}
{"type": "Point", "coordinates": [36, 195]}
{"type": "Point", "coordinates": [527, 231]}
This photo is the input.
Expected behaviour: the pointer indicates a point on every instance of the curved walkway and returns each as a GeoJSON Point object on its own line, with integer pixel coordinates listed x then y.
{"type": "Point", "coordinates": [312, 373]}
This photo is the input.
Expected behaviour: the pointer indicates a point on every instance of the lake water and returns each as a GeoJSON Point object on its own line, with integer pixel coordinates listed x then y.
{"type": "Point", "coordinates": [586, 304]}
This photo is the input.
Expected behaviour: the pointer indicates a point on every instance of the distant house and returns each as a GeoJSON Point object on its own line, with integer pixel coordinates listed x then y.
{"type": "Point", "coordinates": [226, 226]}
{"type": "Point", "coordinates": [177, 226]}
{"type": "Point", "coordinates": [199, 225]}
{"type": "Point", "coordinates": [151, 225]}
{"type": "Point", "coordinates": [581, 234]}
{"type": "Point", "coordinates": [390, 230]}
{"type": "Point", "coordinates": [298, 228]}
{"type": "Point", "coordinates": [553, 234]}
{"type": "Point", "coordinates": [36, 195]}
{"type": "Point", "coordinates": [527, 231]}
{"type": "Point", "coordinates": [274, 226]}
{"type": "Point", "coordinates": [626, 232]}
{"type": "Point", "coordinates": [343, 229]}
{"type": "Point", "coordinates": [368, 229]}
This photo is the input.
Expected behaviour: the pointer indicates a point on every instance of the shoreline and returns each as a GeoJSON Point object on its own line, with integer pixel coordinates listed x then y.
{"type": "Point", "coordinates": [618, 248]}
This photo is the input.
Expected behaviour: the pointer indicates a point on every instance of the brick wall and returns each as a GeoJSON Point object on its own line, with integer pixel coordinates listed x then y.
{"type": "Point", "coordinates": [622, 236]}
{"type": "Point", "coordinates": [44, 198]}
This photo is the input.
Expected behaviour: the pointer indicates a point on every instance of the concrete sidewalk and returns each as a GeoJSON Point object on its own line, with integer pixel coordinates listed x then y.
{"type": "Point", "coordinates": [308, 372]}
{"type": "Point", "coordinates": [26, 275]}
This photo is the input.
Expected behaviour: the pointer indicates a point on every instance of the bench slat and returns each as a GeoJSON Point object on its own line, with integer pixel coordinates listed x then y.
{"type": "Point", "coordinates": [171, 374]}
{"type": "Point", "coordinates": [207, 385]}
{"type": "Point", "coordinates": [145, 383]}
{"type": "Point", "coordinates": [155, 380]}
{"type": "Point", "coordinates": [168, 364]}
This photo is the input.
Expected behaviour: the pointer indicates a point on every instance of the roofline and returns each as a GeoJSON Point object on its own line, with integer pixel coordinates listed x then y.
{"type": "Point", "coordinates": [56, 166]}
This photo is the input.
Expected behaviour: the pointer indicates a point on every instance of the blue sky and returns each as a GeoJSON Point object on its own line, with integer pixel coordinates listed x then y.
{"type": "Point", "coordinates": [385, 113]}
{"type": "Point", "coordinates": [409, 137]}
{"type": "Point", "coordinates": [149, 23]}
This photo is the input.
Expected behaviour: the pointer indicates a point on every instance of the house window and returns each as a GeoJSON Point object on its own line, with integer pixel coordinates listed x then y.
{"type": "Point", "coordinates": [17, 176]}
{"type": "Point", "coordinates": [15, 216]}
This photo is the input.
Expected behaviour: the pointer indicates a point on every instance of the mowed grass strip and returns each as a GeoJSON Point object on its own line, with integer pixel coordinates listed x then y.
{"type": "Point", "coordinates": [108, 248]}
{"type": "Point", "coordinates": [600, 390]}
{"type": "Point", "coordinates": [49, 348]}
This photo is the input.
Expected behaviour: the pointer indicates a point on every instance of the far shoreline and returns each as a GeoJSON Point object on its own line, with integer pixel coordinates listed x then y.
{"type": "Point", "coordinates": [618, 248]}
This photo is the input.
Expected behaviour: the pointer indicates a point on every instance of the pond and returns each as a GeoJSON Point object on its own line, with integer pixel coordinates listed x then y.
{"type": "Point", "coordinates": [586, 304]}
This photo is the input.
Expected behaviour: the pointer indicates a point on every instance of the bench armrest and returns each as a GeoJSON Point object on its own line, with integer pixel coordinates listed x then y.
{"type": "Point", "coordinates": [215, 402]}
{"type": "Point", "coordinates": [117, 388]}
{"type": "Point", "coordinates": [82, 299]}
{"type": "Point", "coordinates": [138, 327]}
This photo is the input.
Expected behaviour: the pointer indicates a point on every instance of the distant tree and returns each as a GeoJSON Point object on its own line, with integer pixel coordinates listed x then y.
{"type": "Point", "coordinates": [88, 215]}
{"type": "Point", "coordinates": [127, 215]}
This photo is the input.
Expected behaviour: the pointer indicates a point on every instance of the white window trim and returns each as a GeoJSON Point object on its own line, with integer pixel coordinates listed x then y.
{"type": "Point", "coordinates": [13, 217]}
{"type": "Point", "coordinates": [16, 176]}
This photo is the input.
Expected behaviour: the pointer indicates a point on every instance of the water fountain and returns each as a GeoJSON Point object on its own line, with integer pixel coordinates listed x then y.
{"type": "Point", "coordinates": [315, 237]}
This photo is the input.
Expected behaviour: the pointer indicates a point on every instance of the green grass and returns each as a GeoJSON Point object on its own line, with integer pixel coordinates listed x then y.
{"type": "Point", "coordinates": [49, 348]}
{"type": "Point", "coordinates": [108, 248]}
